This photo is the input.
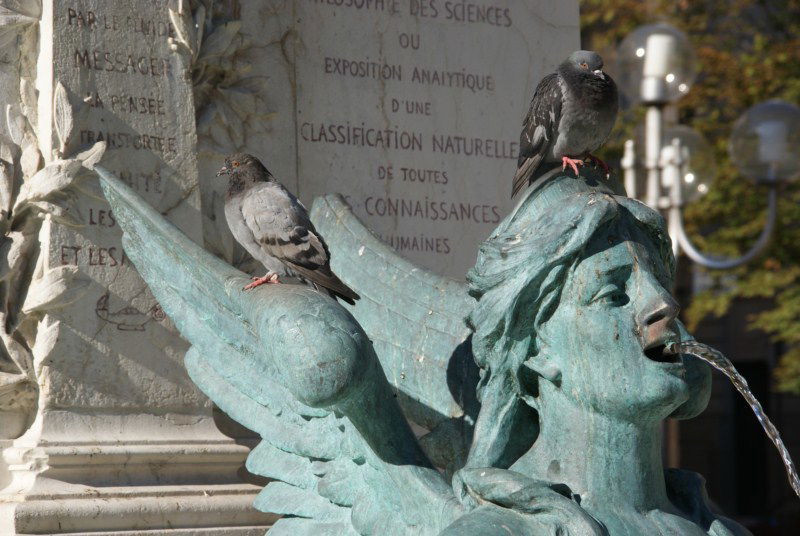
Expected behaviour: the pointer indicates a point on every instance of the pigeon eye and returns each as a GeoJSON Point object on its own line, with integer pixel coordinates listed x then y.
{"type": "Point", "coordinates": [584, 65]}
{"type": "Point", "coordinates": [236, 164]}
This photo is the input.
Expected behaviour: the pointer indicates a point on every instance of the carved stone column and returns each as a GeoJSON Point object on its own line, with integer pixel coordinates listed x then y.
{"type": "Point", "coordinates": [102, 429]}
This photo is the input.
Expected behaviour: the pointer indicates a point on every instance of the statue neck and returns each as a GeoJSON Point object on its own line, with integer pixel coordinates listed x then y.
{"type": "Point", "coordinates": [611, 464]}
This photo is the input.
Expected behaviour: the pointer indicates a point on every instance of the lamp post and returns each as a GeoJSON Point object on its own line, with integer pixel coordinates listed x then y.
{"type": "Point", "coordinates": [656, 69]}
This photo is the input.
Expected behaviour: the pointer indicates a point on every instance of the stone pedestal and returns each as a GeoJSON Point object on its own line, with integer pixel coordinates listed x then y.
{"type": "Point", "coordinates": [177, 477]}
{"type": "Point", "coordinates": [115, 438]}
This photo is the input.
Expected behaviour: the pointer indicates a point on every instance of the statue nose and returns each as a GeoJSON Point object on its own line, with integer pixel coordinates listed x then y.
{"type": "Point", "coordinates": [657, 319]}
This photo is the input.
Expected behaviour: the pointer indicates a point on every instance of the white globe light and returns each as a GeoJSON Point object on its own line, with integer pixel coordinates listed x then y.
{"type": "Point", "coordinates": [765, 144]}
{"type": "Point", "coordinates": [656, 64]}
{"type": "Point", "coordinates": [701, 167]}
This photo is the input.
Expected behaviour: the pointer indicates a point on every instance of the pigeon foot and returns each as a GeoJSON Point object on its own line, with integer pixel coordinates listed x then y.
{"type": "Point", "coordinates": [571, 162]}
{"type": "Point", "coordinates": [269, 278]}
{"type": "Point", "coordinates": [597, 162]}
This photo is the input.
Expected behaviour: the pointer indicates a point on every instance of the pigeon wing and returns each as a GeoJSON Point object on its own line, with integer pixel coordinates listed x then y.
{"type": "Point", "coordinates": [539, 130]}
{"type": "Point", "coordinates": [280, 224]}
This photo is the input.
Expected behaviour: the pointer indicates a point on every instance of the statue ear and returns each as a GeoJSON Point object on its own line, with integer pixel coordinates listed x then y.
{"type": "Point", "coordinates": [544, 368]}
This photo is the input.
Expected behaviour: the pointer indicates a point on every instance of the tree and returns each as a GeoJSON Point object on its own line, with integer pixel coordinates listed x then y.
{"type": "Point", "coordinates": [748, 51]}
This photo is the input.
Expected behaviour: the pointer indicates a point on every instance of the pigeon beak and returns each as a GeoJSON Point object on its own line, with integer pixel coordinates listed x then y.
{"type": "Point", "coordinates": [599, 73]}
{"type": "Point", "coordinates": [222, 171]}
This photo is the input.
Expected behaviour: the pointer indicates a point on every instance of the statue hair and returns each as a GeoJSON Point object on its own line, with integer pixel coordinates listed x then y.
{"type": "Point", "coordinates": [518, 278]}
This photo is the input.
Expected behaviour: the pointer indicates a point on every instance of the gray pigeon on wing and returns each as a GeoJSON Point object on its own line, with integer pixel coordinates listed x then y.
{"type": "Point", "coordinates": [274, 227]}
{"type": "Point", "coordinates": [570, 116]}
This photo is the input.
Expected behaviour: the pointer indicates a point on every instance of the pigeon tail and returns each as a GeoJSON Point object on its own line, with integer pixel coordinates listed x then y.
{"type": "Point", "coordinates": [327, 280]}
{"type": "Point", "coordinates": [344, 293]}
{"type": "Point", "coordinates": [347, 299]}
{"type": "Point", "coordinates": [523, 175]}
{"type": "Point", "coordinates": [528, 172]}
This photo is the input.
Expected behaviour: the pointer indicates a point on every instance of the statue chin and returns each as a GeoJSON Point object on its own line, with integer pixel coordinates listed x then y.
{"type": "Point", "coordinates": [698, 378]}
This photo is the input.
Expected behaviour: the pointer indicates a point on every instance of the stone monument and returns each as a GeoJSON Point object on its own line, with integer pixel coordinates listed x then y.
{"type": "Point", "coordinates": [568, 318]}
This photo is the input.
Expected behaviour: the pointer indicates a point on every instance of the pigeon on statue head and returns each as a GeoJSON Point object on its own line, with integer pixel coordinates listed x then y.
{"type": "Point", "coordinates": [274, 227]}
{"type": "Point", "coordinates": [571, 115]}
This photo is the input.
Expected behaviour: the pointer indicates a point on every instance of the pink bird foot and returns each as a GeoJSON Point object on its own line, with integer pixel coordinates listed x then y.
{"type": "Point", "coordinates": [597, 162]}
{"type": "Point", "coordinates": [269, 278]}
{"type": "Point", "coordinates": [571, 162]}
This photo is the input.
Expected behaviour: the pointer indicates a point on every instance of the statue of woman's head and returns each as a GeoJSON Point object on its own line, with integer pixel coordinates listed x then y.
{"type": "Point", "coordinates": [573, 301]}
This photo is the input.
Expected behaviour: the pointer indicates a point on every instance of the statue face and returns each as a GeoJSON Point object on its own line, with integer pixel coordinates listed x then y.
{"type": "Point", "coordinates": [606, 334]}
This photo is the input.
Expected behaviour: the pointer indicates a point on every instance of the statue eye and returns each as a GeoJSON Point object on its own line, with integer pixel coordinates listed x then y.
{"type": "Point", "coordinates": [611, 295]}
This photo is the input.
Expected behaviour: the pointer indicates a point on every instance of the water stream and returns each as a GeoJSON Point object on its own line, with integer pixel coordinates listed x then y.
{"type": "Point", "coordinates": [720, 362]}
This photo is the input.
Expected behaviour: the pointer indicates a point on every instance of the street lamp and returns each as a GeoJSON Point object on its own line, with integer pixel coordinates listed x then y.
{"type": "Point", "coordinates": [657, 66]}
{"type": "Point", "coordinates": [765, 144]}
{"type": "Point", "coordinates": [765, 147]}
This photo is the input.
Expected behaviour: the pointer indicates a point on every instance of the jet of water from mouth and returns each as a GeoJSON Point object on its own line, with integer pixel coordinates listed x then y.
{"type": "Point", "coordinates": [717, 360]}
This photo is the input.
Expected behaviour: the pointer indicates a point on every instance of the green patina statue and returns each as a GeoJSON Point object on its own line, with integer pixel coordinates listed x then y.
{"type": "Point", "coordinates": [541, 385]}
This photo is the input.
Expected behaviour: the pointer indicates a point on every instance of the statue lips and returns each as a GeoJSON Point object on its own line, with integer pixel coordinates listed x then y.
{"type": "Point", "coordinates": [657, 352]}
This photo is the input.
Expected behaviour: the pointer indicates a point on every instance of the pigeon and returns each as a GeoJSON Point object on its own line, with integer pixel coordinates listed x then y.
{"type": "Point", "coordinates": [570, 116]}
{"type": "Point", "coordinates": [274, 227]}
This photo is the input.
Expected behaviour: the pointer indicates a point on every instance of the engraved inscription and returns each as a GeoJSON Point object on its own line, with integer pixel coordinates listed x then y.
{"type": "Point", "coordinates": [413, 108]}
{"type": "Point", "coordinates": [126, 140]}
{"type": "Point", "coordinates": [116, 59]}
{"type": "Point", "coordinates": [121, 62]}
{"type": "Point", "coordinates": [416, 114]}
{"type": "Point", "coordinates": [102, 256]}
{"type": "Point", "coordinates": [91, 20]}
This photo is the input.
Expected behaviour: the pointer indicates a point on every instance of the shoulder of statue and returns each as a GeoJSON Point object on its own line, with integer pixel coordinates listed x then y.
{"type": "Point", "coordinates": [687, 491]}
